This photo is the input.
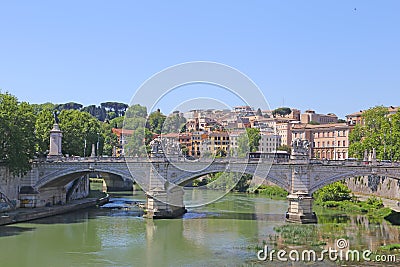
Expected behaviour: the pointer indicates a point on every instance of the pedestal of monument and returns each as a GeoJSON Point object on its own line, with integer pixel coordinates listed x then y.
{"type": "Point", "coordinates": [55, 142]}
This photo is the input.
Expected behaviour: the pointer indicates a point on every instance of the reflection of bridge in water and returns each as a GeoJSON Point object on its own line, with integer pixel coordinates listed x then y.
{"type": "Point", "coordinates": [162, 180]}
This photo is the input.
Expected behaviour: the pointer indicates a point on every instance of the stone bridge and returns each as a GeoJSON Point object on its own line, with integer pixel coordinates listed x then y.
{"type": "Point", "coordinates": [162, 180]}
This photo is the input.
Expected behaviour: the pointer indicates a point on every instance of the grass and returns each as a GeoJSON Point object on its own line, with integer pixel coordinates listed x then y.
{"type": "Point", "coordinates": [372, 207]}
{"type": "Point", "coordinates": [390, 247]}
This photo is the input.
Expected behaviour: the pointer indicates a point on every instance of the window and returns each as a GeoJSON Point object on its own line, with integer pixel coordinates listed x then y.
{"type": "Point", "coordinates": [327, 144]}
{"type": "Point", "coordinates": [338, 143]}
{"type": "Point", "coordinates": [344, 143]}
{"type": "Point", "coordinates": [323, 144]}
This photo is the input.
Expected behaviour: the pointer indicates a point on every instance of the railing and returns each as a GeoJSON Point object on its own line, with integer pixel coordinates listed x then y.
{"type": "Point", "coordinates": [217, 160]}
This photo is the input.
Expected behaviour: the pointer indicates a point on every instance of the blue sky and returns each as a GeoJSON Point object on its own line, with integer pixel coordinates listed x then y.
{"type": "Point", "coordinates": [322, 55]}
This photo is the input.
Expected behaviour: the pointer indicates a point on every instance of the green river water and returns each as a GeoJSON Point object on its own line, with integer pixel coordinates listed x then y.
{"type": "Point", "coordinates": [228, 232]}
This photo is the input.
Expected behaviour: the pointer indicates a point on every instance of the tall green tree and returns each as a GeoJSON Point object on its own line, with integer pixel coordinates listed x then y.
{"type": "Point", "coordinates": [254, 138]}
{"type": "Point", "coordinates": [43, 125]}
{"type": "Point", "coordinates": [110, 139]}
{"type": "Point", "coordinates": [174, 123]}
{"type": "Point", "coordinates": [17, 138]}
{"type": "Point", "coordinates": [77, 127]}
{"type": "Point", "coordinates": [248, 142]}
{"type": "Point", "coordinates": [138, 144]}
{"type": "Point", "coordinates": [379, 130]}
{"type": "Point", "coordinates": [155, 121]}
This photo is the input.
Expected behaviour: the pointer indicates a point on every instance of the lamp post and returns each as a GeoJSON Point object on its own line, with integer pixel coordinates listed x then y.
{"type": "Point", "coordinates": [84, 149]}
{"type": "Point", "coordinates": [391, 139]}
{"type": "Point", "coordinates": [98, 141]}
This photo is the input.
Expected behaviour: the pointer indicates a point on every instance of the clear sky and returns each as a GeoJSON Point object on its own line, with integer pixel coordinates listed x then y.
{"type": "Point", "coordinates": [330, 56]}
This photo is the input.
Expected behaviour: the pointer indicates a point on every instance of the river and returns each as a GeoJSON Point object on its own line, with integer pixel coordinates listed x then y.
{"type": "Point", "coordinates": [228, 232]}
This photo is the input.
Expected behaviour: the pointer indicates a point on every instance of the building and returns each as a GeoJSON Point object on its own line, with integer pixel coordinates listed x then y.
{"type": "Point", "coordinates": [310, 116]}
{"type": "Point", "coordinates": [233, 141]}
{"type": "Point", "coordinates": [354, 118]}
{"type": "Point", "coordinates": [218, 141]}
{"type": "Point", "coordinates": [197, 139]}
{"type": "Point", "coordinates": [269, 142]}
{"type": "Point", "coordinates": [328, 141]}
{"type": "Point", "coordinates": [123, 136]}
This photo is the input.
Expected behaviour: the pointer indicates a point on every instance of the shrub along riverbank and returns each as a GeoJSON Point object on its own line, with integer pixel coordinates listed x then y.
{"type": "Point", "coordinates": [338, 196]}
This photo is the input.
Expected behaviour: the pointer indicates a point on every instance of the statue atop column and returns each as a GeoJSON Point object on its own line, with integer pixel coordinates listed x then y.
{"type": "Point", "coordinates": [300, 149]}
{"type": "Point", "coordinates": [300, 146]}
{"type": "Point", "coordinates": [56, 119]}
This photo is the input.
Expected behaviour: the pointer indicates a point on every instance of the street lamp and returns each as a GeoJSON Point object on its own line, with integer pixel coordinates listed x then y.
{"type": "Point", "coordinates": [84, 149]}
{"type": "Point", "coordinates": [391, 139]}
{"type": "Point", "coordinates": [98, 141]}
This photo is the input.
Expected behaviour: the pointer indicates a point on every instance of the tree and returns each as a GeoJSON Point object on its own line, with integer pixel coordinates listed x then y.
{"type": "Point", "coordinates": [43, 125]}
{"type": "Point", "coordinates": [96, 111]}
{"type": "Point", "coordinates": [248, 142]}
{"type": "Point", "coordinates": [155, 121]}
{"type": "Point", "coordinates": [243, 145]}
{"type": "Point", "coordinates": [283, 111]}
{"type": "Point", "coordinates": [259, 113]}
{"type": "Point", "coordinates": [117, 107]}
{"type": "Point", "coordinates": [333, 192]}
{"type": "Point", "coordinates": [110, 139]}
{"type": "Point", "coordinates": [69, 105]}
{"type": "Point", "coordinates": [17, 138]}
{"type": "Point", "coordinates": [137, 111]}
{"type": "Point", "coordinates": [254, 138]}
{"type": "Point", "coordinates": [174, 123]}
{"type": "Point", "coordinates": [138, 144]}
{"type": "Point", "coordinates": [45, 106]}
{"type": "Point", "coordinates": [380, 131]}
{"type": "Point", "coordinates": [118, 122]}
{"type": "Point", "coordinates": [77, 127]}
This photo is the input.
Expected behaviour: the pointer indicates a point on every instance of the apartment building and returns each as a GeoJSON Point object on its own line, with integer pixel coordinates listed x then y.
{"type": "Point", "coordinates": [269, 142]}
{"type": "Point", "coordinates": [328, 141]}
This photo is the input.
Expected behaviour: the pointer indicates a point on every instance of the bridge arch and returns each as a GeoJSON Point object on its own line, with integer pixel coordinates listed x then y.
{"type": "Point", "coordinates": [341, 176]}
{"type": "Point", "coordinates": [65, 176]}
{"type": "Point", "coordinates": [188, 177]}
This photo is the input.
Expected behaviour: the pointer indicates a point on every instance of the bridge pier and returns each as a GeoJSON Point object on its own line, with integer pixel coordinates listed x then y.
{"type": "Point", "coordinates": [164, 204]}
{"type": "Point", "coordinates": [300, 209]}
{"type": "Point", "coordinates": [164, 200]}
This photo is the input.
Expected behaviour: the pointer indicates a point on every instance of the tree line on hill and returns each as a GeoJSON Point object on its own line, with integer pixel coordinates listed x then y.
{"type": "Point", "coordinates": [25, 128]}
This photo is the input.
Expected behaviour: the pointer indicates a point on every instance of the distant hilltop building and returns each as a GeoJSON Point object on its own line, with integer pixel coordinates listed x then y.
{"type": "Point", "coordinates": [310, 116]}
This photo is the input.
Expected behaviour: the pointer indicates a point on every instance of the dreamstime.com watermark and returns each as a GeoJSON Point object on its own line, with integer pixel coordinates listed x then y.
{"type": "Point", "coordinates": [341, 252]}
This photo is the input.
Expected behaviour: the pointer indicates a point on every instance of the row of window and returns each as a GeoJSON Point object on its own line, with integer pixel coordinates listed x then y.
{"type": "Point", "coordinates": [328, 144]}
{"type": "Point", "coordinates": [329, 155]}
{"type": "Point", "coordinates": [329, 134]}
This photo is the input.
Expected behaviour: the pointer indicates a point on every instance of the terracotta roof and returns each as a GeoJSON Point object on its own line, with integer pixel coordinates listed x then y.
{"type": "Point", "coordinates": [119, 131]}
{"type": "Point", "coordinates": [319, 126]}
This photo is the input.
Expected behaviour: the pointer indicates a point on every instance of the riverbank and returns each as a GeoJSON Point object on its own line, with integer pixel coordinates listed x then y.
{"type": "Point", "coordinates": [27, 214]}
{"type": "Point", "coordinates": [389, 203]}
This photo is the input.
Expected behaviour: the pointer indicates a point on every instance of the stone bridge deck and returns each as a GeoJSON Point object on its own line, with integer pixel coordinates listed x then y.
{"type": "Point", "coordinates": [300, 177]}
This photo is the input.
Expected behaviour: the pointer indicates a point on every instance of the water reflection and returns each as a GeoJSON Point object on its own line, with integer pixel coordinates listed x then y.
{"type": "Point", "coordinates": [224, 233]}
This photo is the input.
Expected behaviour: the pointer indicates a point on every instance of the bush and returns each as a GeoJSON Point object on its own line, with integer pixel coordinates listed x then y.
{"type": "Point", "coordinates": [333, 192]}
